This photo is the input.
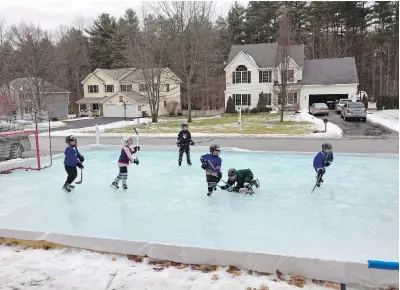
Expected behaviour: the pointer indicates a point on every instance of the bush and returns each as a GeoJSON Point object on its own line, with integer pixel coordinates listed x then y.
{"type": "Point", "coordinates": [230, 107]}
{"type": "Point", "coordinates": [365, 101]}
{"type": "Point", "coordinates": [387, 102]}
{"type": "Point", "coordinates": [254, 111]}
{"type": "Point", "coordinates": [245, 111]}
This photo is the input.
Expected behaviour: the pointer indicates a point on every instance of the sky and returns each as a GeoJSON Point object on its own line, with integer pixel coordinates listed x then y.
{"type": "Point", "coordinates": [50, 14]}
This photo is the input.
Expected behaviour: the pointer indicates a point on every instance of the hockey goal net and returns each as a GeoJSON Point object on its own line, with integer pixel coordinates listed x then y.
{"type": "Point", "coordinates": [24, 149]}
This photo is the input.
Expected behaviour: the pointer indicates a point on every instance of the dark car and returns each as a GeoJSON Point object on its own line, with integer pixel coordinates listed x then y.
{"type": "Point", "coordinates": [13, 145]}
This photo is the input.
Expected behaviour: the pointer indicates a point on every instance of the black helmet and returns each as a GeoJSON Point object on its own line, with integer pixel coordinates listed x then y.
{"type": "Point", "coordinates": [326, 145]}
{"type": "Point", "coordinates": [232, 174]}
{"type": "Point", "coordinates": [184, 124]}
{"type": "Point", "coordinates": [70, 138]}
{"type": "Point", "coordinates": [214, 147]}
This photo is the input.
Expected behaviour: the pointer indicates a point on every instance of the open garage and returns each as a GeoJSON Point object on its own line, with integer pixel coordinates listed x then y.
{"type": "Point", "coordinates": [326, 98]}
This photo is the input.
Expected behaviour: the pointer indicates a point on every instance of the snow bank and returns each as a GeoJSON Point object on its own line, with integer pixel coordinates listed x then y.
{"type": "Point", "coordinates": [80, 269]}
{"type": "Point", "coordinates": [41, 125]}
{"type": "Point", "coordinates": [387, 118]}
{"type": "Point", "coordinates": [77, 119]}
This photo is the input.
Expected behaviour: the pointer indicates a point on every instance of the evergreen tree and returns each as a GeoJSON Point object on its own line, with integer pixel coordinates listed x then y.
{"type": "Point", "coordinates": [262, 104]}
{"type": "Point", "coordinates": [236, 19]}
{"type": "Point", "coordinates": [230, 106]}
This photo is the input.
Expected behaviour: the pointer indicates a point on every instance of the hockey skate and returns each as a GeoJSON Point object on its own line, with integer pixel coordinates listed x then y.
{"type": "Point", "coordinates": [124, 186]}
{"type": "Point", "coordinates": [66, 188]}
{"type": "Point", "coordinates": [255, 182]}
{"type": "Point", "coordinates": [114, 185]}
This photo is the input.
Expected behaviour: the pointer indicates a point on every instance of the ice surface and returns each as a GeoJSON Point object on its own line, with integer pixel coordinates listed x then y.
{"type": "Point", "coordinates": [353, 216]}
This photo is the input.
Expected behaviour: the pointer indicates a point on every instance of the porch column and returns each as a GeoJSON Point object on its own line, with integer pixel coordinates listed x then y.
{"type": "Point", "coordinates": [79, 110]}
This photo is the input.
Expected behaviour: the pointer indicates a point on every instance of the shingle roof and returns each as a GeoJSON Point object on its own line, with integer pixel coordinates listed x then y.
{"type": "Point", "coordinates": [28, 83]}
{"type": "Point", "coordinates": [329, 71]}
{"type": "Point", "coordinates": [264, 54]}
{"type": "Point", "coordinates": [116, 74]}
{"type": "Point", "coordinates": [296, 52]}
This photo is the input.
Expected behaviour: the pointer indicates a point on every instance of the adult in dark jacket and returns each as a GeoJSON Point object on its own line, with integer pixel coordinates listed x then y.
{"type": "Point", "coordinates": [184, 141]}
{"type": "Point", "coordinates": [244, 178]}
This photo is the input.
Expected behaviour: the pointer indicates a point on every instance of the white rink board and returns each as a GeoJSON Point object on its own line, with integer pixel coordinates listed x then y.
{"type": "Point", "coordinates": [333, 271]}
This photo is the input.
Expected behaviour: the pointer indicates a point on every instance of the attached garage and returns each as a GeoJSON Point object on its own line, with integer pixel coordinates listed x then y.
{"type": "Point", "coordinates": [112, 110]}
{"type": "Point", "coordinates": [326, 98]}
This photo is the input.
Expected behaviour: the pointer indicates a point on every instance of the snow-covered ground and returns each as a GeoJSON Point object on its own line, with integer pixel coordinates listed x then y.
{"type": "Point", "coordinates": [28, 268]}
{"type": "Point", "coordinates": [333, 131]}
{"type": "Point", "coordinates": [77, 119]}
{"type": "Point", "coordinates": [41, 125]}
{"type": "Point", "coordinates": [387, 118]}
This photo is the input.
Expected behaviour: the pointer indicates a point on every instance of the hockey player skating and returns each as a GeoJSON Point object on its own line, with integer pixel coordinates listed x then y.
{"type": "Point", "coordinates": [212, 163]}
{"type": "Point", "coordinates": [72, 159]}
{"type": "Point", "coordinates": [184, 141]}
{"type": "Point", "coordinates": [244, 179]}
{"type": "Point", "coordinates": [322, 160]}
{"type": "Point", "coordinates": [124, 160]}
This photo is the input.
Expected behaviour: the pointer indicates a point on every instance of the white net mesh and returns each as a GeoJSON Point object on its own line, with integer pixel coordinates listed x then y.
{"type": "Point", "coordinates": [22, 147]}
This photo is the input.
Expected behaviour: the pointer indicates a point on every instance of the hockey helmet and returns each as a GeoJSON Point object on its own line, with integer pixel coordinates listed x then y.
{"type": "Point", "coordinates": [214, 148]}
{"type": "Point", "coordinates": [232, 174]}
{"type": "Point", "coordinates": [184, 124]}
{"type": "Point", "coordinates": [69, 139]}
{"type": "Point", "coordinates": [326, 147]}
{"type": "Point", "coordinates": [125, 140]}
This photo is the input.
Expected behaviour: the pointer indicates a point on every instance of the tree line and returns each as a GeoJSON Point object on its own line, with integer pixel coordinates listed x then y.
{"type": "Point", "coordinates": [184, 37]}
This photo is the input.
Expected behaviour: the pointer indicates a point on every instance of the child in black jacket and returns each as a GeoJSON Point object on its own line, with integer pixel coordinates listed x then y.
{"type": "Point", "coordinates": [184, 141]}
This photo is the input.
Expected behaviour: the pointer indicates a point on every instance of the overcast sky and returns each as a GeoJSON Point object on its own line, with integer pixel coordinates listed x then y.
{"type": "Point", "coordinates": [50, 14]}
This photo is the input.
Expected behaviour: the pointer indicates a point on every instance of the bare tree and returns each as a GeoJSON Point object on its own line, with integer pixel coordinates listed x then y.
{"type": "Point", "coordinates": [189, 23]}
{"type": "Point", "coordinates": [147, 51]}
{"type": "Point", "coordinates": [286, 89]}
{"type": "Point", "coordinates": [35, 59]}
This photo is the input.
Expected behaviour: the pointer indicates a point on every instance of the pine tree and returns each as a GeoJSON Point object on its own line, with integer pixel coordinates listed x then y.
{"type": "Point", "coordinates": [230, 106]}
{"type": "Point", "coordinates": [236, 17]}
{"type": "Point", "coordinates": [262, 104]}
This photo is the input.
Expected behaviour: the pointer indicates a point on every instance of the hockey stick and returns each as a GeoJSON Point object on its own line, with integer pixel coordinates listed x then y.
{"type": "Point", "coordinates": [204, 141]}
{"type": "Point", "coordinates": [319, 178]}
{"type": "Point", "coordinates": [80, 181]}
{"type": "Point", "coordinates": [137, 140]}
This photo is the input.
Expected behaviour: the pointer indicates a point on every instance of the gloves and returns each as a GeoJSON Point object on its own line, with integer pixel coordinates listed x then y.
{"type": "Point", "coordinates": [136, 161]}
{"type": "Point", "coordinates": [177, 143]}
{"type": "Point", "coordinates": [204, 165]}
{"type": "Point", "coordinates": [232, 188]}
{"type": "Point", "coordinates": [80, 165]}
{"type": "Point", "coordinates": [191, 143]}
{"type": "Point", "coordinates": [136, 148]}
{"type": "Point", "coordinates": [327, 163]}
{"type": "Point", "coordinates": [321, 171]}
{"type": "Point", "coordinates": [81, 158]}
{"type": "Point", "coordinates": [219, 175]}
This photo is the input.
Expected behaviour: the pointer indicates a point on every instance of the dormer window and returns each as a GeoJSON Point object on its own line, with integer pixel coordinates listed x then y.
{"type": "Point", "coordinates": [290, 76]}
{"type": "Point", "coordinates": [241, 75]}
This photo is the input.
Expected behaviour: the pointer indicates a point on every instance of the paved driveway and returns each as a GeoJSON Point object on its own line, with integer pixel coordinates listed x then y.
{"type": "Point", "coordinates": [359, 128]}
{"type": "Point", "coordinates": [89, 123]}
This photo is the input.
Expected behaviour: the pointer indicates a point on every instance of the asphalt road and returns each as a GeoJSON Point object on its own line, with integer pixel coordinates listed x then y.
{"type": "Point", "coordinates": [88, 123]}
{"type": "Point", "coordinates": [345, 145]}
{"type": "Point", "coordinates": [359, 128]}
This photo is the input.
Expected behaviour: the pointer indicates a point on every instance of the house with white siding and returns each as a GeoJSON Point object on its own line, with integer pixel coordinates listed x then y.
{"type": "Point", "coordinates": [253, 71]}
{"type": "Point", "coordinates": [123, 92]}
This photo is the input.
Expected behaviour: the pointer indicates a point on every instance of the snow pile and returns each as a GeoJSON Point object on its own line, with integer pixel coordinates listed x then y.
{"type": "Point", "coordinates": [80, 269]}
{"type": "Point", "coordinates": [387, 118]}
{"type": "Point", "coordinates": [41, 125]}
{"type": "Point", "coordinates": [332, 130]}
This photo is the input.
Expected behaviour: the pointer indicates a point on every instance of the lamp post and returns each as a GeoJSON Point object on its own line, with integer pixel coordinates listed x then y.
{"type": "Point", "coordinates": [122, 101]}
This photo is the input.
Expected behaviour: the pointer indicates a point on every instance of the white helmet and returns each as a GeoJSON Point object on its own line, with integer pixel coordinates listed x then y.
{"type": "Point", "coordinates": [125, 140]}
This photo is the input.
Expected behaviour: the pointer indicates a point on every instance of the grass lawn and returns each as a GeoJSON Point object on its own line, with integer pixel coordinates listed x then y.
{"type": "Point", "coordinates": [251, 124]}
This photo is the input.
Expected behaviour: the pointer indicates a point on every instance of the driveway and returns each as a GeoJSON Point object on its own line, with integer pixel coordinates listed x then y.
{"type": "Point", "coordinates": [359, 128]}
{"type": "Point", "coordinates": [89, 123]}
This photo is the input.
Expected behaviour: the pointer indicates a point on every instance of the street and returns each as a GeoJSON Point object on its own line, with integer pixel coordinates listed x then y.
{"type": "Point", "coordinates": [359, 128]}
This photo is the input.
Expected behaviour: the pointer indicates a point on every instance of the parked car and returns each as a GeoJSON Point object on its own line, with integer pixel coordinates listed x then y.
{"type": "Point", "coordinates": [13, 146]}
{"type": "Point", "coordinates": [319, 109]}
{"type": "Point", "coordinates": [340, 105]}
{"type": "Point", "coordinates": [354, 110]}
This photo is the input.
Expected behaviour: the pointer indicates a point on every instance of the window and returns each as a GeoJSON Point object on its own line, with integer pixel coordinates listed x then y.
{"type": "Point", "coordinates": [165, 104]}
{"type": "Point", "coordinates": [265, 76]}
{"type": "Point", "coordinates": [126, 88]}
{"type": "Point", "coordinates": [290, 76]}
{"type": "Point", "coordinates": [121, 99]}
{"type": "Point", "coordinates": [267, 97]}
{"type": "Point", "coordinates": [167, 87]}
{"type": "Point", "coordinates": [139, 108]}
{"type": "Point", "coordinates": [95, 107]}
{"type": "Point", "coordinates": [241, 75]}
{"type": "Point", "coordinates": [292, 98]}
{"type": "Point", "coordinates": [242, 99]}
{"type": "Point", "coordinates": [142, 87]}
{"type": "Point", "coordinates": [109, 88]}
{"type": "Point", "coordinates": [93, 89]}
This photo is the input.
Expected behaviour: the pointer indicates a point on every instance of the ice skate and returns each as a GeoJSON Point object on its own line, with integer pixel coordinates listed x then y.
{"type": "Point", "coordinates": [124, 186]}
{"type": "Point", "coordinates": [179, 162]}
{"type": "Point", "coordinates": [209, 193]}
{"type": "Point", "coordinates": [189, 162]}
{"type": "Point", "coordinates": [255, 182]}
{"type": "Point", "coordinates": [114, 185]}
{"type": "Point", "coordinates": [66, 188]}
{"type": "Point", "coordinates": [71, 186]}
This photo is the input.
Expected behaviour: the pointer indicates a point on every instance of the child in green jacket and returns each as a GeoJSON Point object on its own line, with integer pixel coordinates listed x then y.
{"type": "Point", "coordinates": [244, 179]}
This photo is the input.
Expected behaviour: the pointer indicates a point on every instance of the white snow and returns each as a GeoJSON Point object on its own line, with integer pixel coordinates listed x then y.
{"type": "Point", "coordinates": [387, 118]}
{"type": "Point", "coordinates": [26, 268]}
{"type": "Point", "coordinates": [78, 119]}
{"type": "Point", "coordinates": [332, 130]}
{"type": "Point", "coordinates": [41, 125]}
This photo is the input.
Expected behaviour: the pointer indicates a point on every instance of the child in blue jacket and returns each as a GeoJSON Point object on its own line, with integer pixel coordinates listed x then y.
{"type": "Point", "coordinates": [72, 159]}
{"type": "Point", "coordinates": [322, 160]}
{"type": "Point", "coordinates": [212, 163]}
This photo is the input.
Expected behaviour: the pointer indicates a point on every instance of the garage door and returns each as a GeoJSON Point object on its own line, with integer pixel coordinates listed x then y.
{"type": "Point", "coordinates": [130, 111]}
{"type": "Point", "coordinates": [112, 110]}
{"type": "Point", "coordinates": [325, 98]}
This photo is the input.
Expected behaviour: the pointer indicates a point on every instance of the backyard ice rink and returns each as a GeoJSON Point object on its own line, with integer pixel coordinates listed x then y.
{"type": "Point", "coordinates": [352, 217]}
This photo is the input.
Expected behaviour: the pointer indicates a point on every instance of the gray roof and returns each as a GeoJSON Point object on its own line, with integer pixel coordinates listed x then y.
{"type": "Point", "coordinates": [329, 71]}
{"type": "Point", "coordinates": [29, 84]}
{"type": "Point", "coordinates": [138, 97]}
{"type": "Point", "coordinates": [296, 52]}
{"type": "Point", "coordinates": [264, 54]}
{"type": "Point", "coordinates": [116, 74]}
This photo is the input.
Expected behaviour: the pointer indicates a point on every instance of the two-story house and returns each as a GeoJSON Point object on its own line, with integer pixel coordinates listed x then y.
{"type": "Point", "coordinates": [254, 71]}
{"type": "Point", "coordinates": [123, 92]}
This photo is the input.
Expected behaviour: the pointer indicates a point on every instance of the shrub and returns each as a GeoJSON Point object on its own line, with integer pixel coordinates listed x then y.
{"type": "Point", "coordinates": [365, 101]}
{"type": "Point", "coordinates": [254, 111]}
{"type": "Point", "coordinates": [385, 102]}
{"type": "Point", "coordinates": [230, 106]}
